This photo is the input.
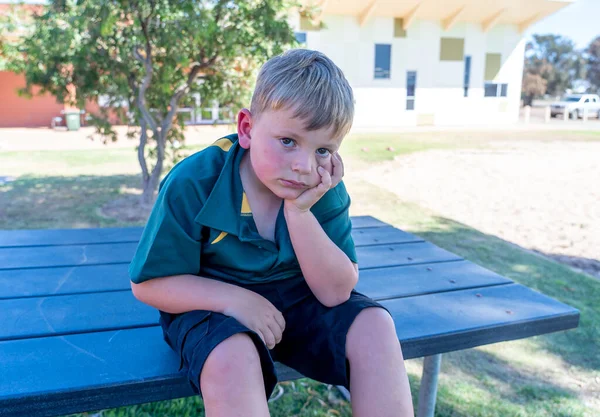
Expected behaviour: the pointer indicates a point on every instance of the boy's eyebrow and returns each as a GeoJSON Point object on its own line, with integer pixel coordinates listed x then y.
{"type": "Point", "coordinates": [292, 134]}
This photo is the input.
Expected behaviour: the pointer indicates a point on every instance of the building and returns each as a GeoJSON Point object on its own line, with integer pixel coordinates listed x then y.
{"type": "Point", "coordinates": [427, 62]}
{"type": "Point", "coordinates": [410, 62]}
{"type": "Point", "coordinates": [17, 111]}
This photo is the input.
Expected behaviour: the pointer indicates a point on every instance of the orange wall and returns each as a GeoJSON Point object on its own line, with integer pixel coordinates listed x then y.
{"type": "Point", "coordinates": [18, 111]}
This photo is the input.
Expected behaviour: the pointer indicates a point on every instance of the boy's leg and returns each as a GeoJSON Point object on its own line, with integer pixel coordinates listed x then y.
{"type": "Point", "coordinates": [226, 364]}
{"type": "Point", "coordinates": [232, 381]}
{"type": "Point", "coordinates": [378, 380]}
{"type": "Point", "coordinates": [353, 344]}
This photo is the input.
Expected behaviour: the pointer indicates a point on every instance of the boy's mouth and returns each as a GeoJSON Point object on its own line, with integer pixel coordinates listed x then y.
{"type": "Point", "coordinates": [293, 184]}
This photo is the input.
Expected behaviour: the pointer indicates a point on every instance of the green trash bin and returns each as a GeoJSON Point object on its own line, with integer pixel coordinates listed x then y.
{"type": "Point", "coordinates": [73, 120]}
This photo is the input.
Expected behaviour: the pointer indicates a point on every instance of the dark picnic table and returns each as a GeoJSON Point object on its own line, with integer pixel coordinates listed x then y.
{"type": "Point", "coordinates": [73, 338]}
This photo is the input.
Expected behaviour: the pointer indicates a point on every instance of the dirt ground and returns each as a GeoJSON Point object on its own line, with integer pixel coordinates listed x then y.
{"type": "Point", "coordinates": [23, 139]}
{"type": "Point", "coordinates": [542, 196]}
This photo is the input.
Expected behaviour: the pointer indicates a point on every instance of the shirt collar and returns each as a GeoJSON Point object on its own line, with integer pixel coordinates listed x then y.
{"type": "Point", "coordinates": [223, 208]}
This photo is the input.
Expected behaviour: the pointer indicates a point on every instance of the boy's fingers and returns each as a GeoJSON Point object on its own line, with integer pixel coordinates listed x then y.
{"type": "Point", "coordinates": [338, 168]}
{"type": "Point", "coordinates": [261, 335]}
{"type": "Point", "coordinates": [280, 320]}
{"type": "Point", "coordinates": [269, 339]}
{"type": "Point", "coordinates": [325, 177]}
{"type": "Point", "coordinates": [340, 163]}
{"type": "Point", "coordinates": [276, 331]}
{"type": "Point", "coordinates": [323, 188]}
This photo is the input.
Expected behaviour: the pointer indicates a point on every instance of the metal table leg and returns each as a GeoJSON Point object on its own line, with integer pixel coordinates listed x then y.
{"type": "Point", "coordinates": [428, 390]}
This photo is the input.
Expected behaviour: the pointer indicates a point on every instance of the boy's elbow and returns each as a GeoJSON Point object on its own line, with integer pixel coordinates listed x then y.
{"type": "Point", "coordinates": [138, 290]}
{"type": "Point", "coordinates": [341, 294]}
{"type": "Point", "coordinates": [335, 299]}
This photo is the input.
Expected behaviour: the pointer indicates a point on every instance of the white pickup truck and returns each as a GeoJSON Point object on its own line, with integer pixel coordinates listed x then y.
{"type": "Point", "coordinates": [575, 105]}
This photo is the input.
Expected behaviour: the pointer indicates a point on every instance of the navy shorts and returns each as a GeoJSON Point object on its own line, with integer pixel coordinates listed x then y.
{"type": "Point", "coordinates": [313, 342]}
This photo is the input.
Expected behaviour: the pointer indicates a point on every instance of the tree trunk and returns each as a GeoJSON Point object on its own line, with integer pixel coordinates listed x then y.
{"type": "Point", "coordinates": [148, 194]}
{"type": "Point", "coordinates": [528, 100]}
{"type": "Point", "coordinates": [151, 181]}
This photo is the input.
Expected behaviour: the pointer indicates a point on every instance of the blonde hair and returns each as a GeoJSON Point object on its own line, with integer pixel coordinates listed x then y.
{"type": "Point", "coordinates": [311, 84]}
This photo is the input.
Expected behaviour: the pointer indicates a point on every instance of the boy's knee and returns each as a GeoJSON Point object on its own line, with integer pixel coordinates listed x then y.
{"type": "Point", "coordinates": [372, 327]}
{"type": "Point", "coordinates": [232, 359]}
{"type": "Point", "coordinates": [374, 320]}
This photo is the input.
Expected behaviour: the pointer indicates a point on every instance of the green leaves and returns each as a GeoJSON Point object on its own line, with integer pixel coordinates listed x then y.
{"type": "Point", "coordinates": [90, 45]}
{"type": "Point", "coordinates": [593, 63]}
{"type": "Point", "coordinates": [554, 59]}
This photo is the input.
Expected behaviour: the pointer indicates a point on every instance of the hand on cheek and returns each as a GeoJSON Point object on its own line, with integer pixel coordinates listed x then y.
{"type": "Point", "coordinates": [327, 164]}
{"type": "Point", "coordinates": [330, 173]}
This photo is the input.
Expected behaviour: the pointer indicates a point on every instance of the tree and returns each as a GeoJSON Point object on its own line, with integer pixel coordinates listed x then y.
{"type": "Point", "coordinates": [145, 56]}
{"type": "Point", "coordinates": [554, 59]}
{"type": "Point", "coordinates": [533, 85]}
{"type": "Point", "coordinates": [14, 22]}
{"type": "Point", "coordinates": [593, 63]}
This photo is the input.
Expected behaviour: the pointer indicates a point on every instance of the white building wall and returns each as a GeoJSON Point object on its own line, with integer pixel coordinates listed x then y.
{"type": "Point", "coordinates": [381, 103]}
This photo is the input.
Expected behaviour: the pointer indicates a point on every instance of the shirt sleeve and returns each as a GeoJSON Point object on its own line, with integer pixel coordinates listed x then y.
{"type": "Point", "coordinates": [170, 243]}
{"type": "Point", "coordinates": [332, 212]}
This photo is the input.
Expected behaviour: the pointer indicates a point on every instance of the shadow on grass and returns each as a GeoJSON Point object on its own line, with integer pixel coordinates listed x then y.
{"type": "Point", "coordinates": [31, 202]}
{"type": "Point", "coordinates": [576, 346]}
{"type": "Point", "coordinates": [587, 265]}
{"type": "Point", "coordinates": [484, 378]}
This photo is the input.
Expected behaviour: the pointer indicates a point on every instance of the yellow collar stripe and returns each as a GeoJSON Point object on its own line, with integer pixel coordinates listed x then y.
{"type": "Point", "coordinates": [224, 144]}
{"type": "Point", "coordinates": [219, 238]}
{"type": "Point", "coordinates": [245, 205]}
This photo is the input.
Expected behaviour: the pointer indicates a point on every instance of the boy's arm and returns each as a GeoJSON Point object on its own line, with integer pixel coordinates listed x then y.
{"type": "Point", "coordinates": [328, 271]}
{"type": "Point", "coordinates": [182, 293]}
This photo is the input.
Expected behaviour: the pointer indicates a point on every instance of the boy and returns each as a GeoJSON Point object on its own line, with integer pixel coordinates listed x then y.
{"type": "Point", "coordinates": [248, 255]}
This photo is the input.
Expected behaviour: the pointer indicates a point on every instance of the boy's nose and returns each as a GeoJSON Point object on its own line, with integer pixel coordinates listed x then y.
{"type": "Point", "coordinates": [302, 165]}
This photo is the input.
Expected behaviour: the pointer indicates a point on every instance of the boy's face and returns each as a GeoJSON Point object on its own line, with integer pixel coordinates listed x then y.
{"type": "Point", "coordinates": [284, 155]}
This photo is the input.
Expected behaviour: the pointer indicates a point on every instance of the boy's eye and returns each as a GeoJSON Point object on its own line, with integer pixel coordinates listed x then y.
{"type": "Point", "coordinates": [323, 152]}
{"type": "Point", "coordinates": [287, 142]}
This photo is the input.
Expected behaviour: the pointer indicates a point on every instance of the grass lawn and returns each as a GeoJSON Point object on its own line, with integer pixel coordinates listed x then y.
{"type": "Point", "coordinates": [556, 375]}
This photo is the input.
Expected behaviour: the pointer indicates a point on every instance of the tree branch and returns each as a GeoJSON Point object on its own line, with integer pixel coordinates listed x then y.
{"type": "Point", "coordinates": [141, 98]}
{"type": "Point", "coordinates": [141, 149]}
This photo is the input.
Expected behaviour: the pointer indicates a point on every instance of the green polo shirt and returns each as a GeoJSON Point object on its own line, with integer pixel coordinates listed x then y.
{"type": "Point", "coordinates": [202, 224]}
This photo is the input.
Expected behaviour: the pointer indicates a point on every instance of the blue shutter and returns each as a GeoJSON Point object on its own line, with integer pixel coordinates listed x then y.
{"type": "Point", "coordinates": [383, 58]}
{"type": "Point", "coordinates": [411, 85]}
{"type": "Point", "coordinates": [467, 79]}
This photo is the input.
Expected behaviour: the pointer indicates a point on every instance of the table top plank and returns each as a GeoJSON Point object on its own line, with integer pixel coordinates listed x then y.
{"type": "Point", "coordinates": [387, 282]}
{"type": "Point", "coordinates": [372, 256]}
{"type": "Point", "coordinates": [105, 252]}
{"type": "Point", "coordinates": [67, 255]}
{"type": "Point", "coordinates": [35, 282]}
{"type": "Point", "coordinates": [55, 237]}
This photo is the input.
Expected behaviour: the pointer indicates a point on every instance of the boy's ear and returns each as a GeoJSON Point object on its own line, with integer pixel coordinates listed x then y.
{"type": "Point", "coordinates": [244, 127]}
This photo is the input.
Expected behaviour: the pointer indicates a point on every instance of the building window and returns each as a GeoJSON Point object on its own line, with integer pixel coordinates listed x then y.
{"type": "Point", "coordinates": [495, 90]}
{"type": "Point", "coordinates": [467, 80]}
{"type": "Point", "coordinates": [383, 58]}
{"type": "Point", "coordinates": [301, 37]}
{"type": "Point", "coordinates": [492, 66]}
{"type": "Point", "coordinates": [399, 31]}
{"type": "Point", "coordinates": [452, 49]}
{"type": "Point", "coordinates": [411, 85]}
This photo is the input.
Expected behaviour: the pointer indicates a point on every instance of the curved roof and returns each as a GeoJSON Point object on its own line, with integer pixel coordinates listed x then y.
{"type": "Point", "coordinates": [488, 13]}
